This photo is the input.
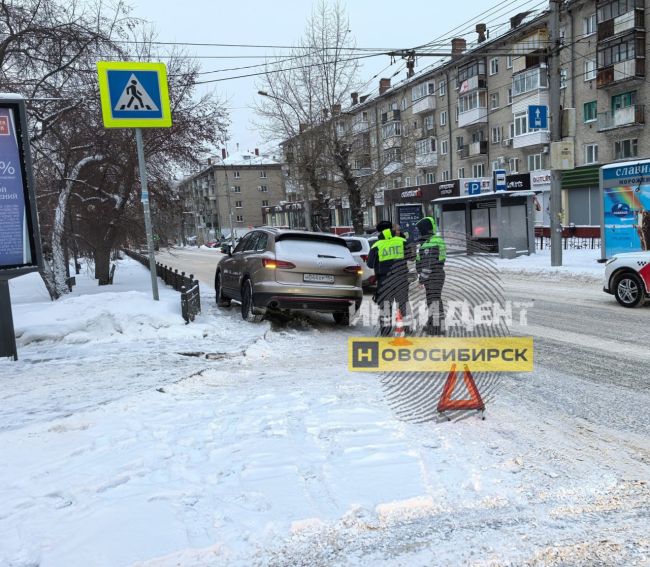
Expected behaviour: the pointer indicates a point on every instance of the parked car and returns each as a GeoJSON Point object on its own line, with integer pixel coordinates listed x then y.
{"type": "Point", "coordinates": [627, 277]}
{"type": "Point", "coordinates": [226, 244]}
{"type": "Point", "coordinates": [289, 270]}
{"type": "Point", "coordinates": [359, 247]}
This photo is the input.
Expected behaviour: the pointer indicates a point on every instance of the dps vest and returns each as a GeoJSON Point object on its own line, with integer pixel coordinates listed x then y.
{"type": "Point", "coordinates": [433, 242]}
{"type": "Point", "coordinates": [390, 248]}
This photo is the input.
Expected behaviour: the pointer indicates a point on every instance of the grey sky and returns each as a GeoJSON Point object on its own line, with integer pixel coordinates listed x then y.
{"type": "Point", "coordinates": [374, 23]}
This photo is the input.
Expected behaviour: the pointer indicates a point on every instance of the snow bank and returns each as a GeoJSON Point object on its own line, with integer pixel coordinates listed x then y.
{"type": "Point", "coordinates": [578, 265]}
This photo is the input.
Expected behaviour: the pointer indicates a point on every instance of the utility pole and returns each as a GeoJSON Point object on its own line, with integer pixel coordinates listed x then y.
{"type": "Point", "coordinates": [556, 130]}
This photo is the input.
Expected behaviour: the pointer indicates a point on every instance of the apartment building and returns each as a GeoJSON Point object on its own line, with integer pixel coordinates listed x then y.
{"type": "Point", "coordinates": [237, 185]}
{"type": "Point", "coordinates": [456, 122]}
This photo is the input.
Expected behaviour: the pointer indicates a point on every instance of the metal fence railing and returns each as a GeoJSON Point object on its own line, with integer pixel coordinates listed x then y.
{"type": "Point", "coordinates": [186, 285]}
{"type": "Point", "coordinates": [569, 242]}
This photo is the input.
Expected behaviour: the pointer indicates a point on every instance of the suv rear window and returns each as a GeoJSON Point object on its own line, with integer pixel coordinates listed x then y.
{"type": "Point", "coordinates": [354, 245]}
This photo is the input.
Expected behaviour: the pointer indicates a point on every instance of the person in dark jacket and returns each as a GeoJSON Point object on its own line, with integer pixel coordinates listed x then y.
{"type": "Point", "coordinates": [430, 265]}
{"type": "Point", "coordinates": [387, 257]}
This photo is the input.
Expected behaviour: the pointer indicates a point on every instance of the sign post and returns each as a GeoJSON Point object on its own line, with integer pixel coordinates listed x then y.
{"type": "Point", "coordinates": [135, 95]}
{"type": "Point", "coordinates": [20, 244]}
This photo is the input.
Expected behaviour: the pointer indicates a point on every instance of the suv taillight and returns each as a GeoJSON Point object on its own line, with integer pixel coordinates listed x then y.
{"type": "Point", "coordinates": [277, 264]}
{"type": "Point", "coordinates": [364, 257]}
{"type": "Point", "coordinates": [356, 269]}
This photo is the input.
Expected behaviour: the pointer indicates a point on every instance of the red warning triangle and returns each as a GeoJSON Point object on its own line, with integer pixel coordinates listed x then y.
{"type": "Point", "coordinates": [473, 403]}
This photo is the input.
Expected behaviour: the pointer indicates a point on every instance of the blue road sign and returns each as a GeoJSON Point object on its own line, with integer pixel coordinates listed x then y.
{"type": "Point", "coordinates": [134, 95]}
{"type": "Point", "coordinates": [500, 180]}
{"type": "Point", "coordinates": [474, 188]}
{"type": "Point", "coordinates": [538, 117]}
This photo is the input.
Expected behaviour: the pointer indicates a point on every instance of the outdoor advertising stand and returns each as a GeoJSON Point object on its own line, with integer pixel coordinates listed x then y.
{"type": "Point", "coordinates": [20, 244]}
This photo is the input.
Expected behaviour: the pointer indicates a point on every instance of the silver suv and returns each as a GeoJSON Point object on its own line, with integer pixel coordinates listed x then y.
{"type": "Point", "coordinates": [288, 270]}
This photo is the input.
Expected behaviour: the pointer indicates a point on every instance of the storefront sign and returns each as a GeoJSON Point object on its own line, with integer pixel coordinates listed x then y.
{"type": "Point", "coordinates": [539, 179]}
{"type": "Point", "coordinates": [447, 189]}
{"type": "Point", "coordinates": [518, 182]}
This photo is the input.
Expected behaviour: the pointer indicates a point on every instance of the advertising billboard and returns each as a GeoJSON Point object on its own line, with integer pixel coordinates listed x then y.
{"type": "Point", "coordinates": [407, 217]}
{"type": "Point", "coordinates": [625, 200]}
{"type": "Point", "coordinates": [19, 245]}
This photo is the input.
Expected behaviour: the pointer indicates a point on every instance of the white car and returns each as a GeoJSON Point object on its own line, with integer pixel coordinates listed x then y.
{"type": "Point", "coordinates": [360, 248]}
{"type": "Point", "coordinates": [627, 277]}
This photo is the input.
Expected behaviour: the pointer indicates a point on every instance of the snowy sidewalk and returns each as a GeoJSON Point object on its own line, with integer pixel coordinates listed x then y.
{"type": "Point", "coordinates": [578, 265]}
{"type": "Point", "coordinates": [123, 444]}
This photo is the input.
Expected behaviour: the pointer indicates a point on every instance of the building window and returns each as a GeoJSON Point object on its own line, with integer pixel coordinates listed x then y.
{"type": "Point", "coordinates": [614, 9]}
{"type": "Point", "coordinates": [443, 118]}
{"type": "Point", "coordinates": [589, 24]}
{"type": "Point", "coordinates": [262, 174]}
{"type": "Point", "coordinates": [236, 189]}
{"type": "Point", "coordinates": [624, 100]}
{"type": "Point", "coordinates": [397, 183]}
{"type": "Point", "coordinates": [589, 111]}
{"type": "Point", "coordinates": [426, 146]}
{"type": "Point", "coordinates": [471, 101]}
{"type": "Point", "coordinates": [535, 162]}
{"type": "Point", "coordinates": [478, 170]}
{"type": "Point", "coordinates": [265, 203]}
{"type": "Point", "coordinates": [494, 101]}
{"type": "Point", "coordinates": [521, 124]}
{"type": "Point", "coordinates": [422, 90]}
{"type": "Point", "coordinates": [431, 178]}
{"type": "Point", "coordinates": [460, 142]}
{"type": "Point", "coordinates": [510, 96]}
{"type": "Point", "coordinates": [263, 188]}
{"type": "Point", "coordinates": [429, 122]}
{"type": "Point", "coordinates": [404, 104]}
{"type": "Point", "coordinates": [590, 70]}
{"type": "Point", "coordinates": [461, 172]}
{"type": "Point", "coordinates": [238, 204]}
{"type": "Point", "coordinates": [407, 182]}
{"type": "Point", "coordinates": [442, 88]}
{"type": "Point", "coordinates": [530, 80]}
{"type": "Point", "coordinates": [444, 147]}
{"type": "Point", "coordinates": [445, 175]}
{"type": "Point", "coordinates": [418, 180]}
{"type": "Point", "coordinates": [591, 153]}
{"type": "Point", "coordinates": [391, 129]}
{"type": "Point", "coordinates": [494, 66]}
{"type": "Point", "coordinates": [626, 149]}
{"type": "Point", "coordinates": [495, 165]}
{"type": "Point", "coordinates": [511, 129]}
{"type": "Point", "coordinates": [616, 51]}
{"type": "Point", "coordinates": [236, 174]}
{"type": "Point", "coordinates": [509, 62]}
{"type": "Point", "coordinates": [392, 155]}
{"type": "Point", "coordinates": [496, 134]}
{"type": "Point", "coordinates": [513, 165]}
{"type": "Point", "coordinates": [240, 218]}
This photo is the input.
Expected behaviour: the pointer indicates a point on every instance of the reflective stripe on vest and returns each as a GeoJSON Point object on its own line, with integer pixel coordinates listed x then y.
{"type": "Point", "coordinates": [439, 242]}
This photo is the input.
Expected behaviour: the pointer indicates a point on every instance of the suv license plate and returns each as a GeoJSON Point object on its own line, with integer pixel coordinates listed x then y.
{"type": "Point", "coordinates": [318, 278]}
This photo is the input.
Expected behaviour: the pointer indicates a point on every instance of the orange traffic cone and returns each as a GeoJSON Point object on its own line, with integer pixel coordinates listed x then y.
{"type": "Point", "coordinates": [400, 339]}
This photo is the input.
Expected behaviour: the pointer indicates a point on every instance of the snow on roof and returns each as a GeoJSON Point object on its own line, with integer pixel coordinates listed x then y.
{"type": "Point", "coordinates": [246, 158]}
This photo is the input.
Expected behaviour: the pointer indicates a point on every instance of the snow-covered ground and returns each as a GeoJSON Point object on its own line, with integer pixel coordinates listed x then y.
{"type": "Point", "coordinates": [576, 264]}
{"type": "Point", "coordinates": [130, 439]}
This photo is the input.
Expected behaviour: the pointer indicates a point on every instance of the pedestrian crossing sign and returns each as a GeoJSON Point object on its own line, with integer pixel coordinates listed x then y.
{"type": "Point", "coordinates": [134, 94]}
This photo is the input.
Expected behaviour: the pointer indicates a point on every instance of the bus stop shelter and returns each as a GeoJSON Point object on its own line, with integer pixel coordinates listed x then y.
{"type": "Point", "coordinates": [497, 222]}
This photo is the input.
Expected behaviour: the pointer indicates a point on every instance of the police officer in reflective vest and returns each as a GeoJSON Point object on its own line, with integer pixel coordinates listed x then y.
{"type": "Point", "coordinates": [430, 265]}
{"type": "Point", "coordinates": [388, 259]}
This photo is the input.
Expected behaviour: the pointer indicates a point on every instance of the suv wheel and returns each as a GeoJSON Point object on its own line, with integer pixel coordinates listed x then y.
{"type": "Point", "coordinates": [342, 317]}
{"type": "Point", "coordinates": [247, 312]}
{"type": "Point", "coordinates": [628, 290]}
{"type": "Point", "coordinates": [222, 301]}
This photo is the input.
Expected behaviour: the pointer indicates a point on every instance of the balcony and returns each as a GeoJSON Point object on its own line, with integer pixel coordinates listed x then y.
{"type": "Point", "coordinates": [471, 84]}
{"type": "Point", "coordinates": [478, 148]}
{"type": "Point", "coordinates": [536, 138]}
{"type": "Point", "coordinates": [632, 20]}
{"type": "Point", "coordinates": [621, 118]}
{"type": "Point", "coordinates": [530, 81]}
{"type": "Point", "coordinates": [630, 70]}
{"type": "Point", "coordinates": [393, 167]}
{"type": "Point", "coordinates": [534, 42]}
{"type": "Point", "coordinates": [425, 104]}
{"type": "Point", "coordinates": [472, 117]}
{"type": "Point", "coordinates": [390, 116]}
{"type": "Point", "coordinates": [427, 160]}
{"type": "Point", "coordinates": [360, 127]}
